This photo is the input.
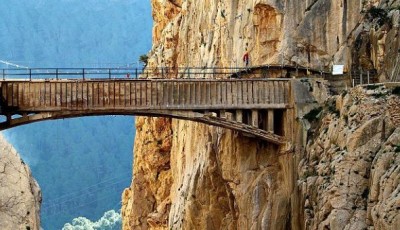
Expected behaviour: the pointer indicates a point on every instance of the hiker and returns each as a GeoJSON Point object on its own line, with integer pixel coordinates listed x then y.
{"type": "Point", "coordinates": [246, 58]}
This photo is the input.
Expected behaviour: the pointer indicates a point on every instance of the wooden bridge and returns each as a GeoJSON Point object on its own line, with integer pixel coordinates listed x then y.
{"type": "Point", "coordinates": [255, 107]}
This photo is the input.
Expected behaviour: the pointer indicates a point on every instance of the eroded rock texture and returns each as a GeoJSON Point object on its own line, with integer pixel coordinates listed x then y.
{"type": "Point", "coordinates": [20, 195]}
{"type": "Point", "coordinates": [350, 175]}
{"type": "Point", "coordinates": [192, 176]}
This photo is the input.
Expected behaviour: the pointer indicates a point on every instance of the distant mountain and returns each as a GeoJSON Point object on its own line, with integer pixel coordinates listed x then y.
{"type": "Point", "coordinates": [81, 164]}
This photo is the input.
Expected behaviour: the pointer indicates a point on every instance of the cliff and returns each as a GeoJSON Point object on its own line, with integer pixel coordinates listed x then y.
{"type": "Point", "coordinates": [192, 176]}
{"type": "Point", "coordinates": [20, 195]}
{"type": "Point", "coordinates": [349, 176]}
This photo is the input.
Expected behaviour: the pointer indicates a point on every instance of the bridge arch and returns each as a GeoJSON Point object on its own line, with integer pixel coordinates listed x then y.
{"type": "Point", "coordinates": [211, 118]}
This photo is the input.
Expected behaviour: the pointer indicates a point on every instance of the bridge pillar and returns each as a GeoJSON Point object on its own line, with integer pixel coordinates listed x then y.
{"type": "Point", "coordinates": [239, 115]}
{"type": "Point", "coordinates": [270, 123]}
{"type": "Point", "coordinates": [254, 118]}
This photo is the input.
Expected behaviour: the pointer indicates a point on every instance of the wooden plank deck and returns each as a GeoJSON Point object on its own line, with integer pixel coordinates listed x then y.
{"type": "Point", "coordinates": [24, 102]}
{"type": "Point", "coordinates": [45, 96]}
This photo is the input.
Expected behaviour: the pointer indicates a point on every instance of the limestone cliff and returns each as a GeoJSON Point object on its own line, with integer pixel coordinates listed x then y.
{"type": "Point", "coordinates": [192, 176]}
{"type": "Point", "coordinates": [350, 174]}
{"type": "Point", "coordinates": [20, 195]}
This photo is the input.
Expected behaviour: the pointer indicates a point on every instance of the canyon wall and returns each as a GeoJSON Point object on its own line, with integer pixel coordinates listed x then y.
{"type": "Point", "coordinates": [20, 195]}
{"type": "Point", "coordinates": [193, 176]}
{"type": "Point", "coordinates": [349, 176]}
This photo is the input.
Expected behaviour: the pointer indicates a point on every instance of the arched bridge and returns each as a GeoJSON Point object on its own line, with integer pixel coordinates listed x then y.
{"type": "Point", "coordinates": [256, 107]}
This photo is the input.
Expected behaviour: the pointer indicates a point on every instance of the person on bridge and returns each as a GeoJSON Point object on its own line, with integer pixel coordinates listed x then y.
{"type": "Point", "coordinates": [246, 58]}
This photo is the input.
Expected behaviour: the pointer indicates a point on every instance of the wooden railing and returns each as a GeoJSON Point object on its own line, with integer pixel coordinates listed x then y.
{"type": "Point", "coordinates": [144, 94]}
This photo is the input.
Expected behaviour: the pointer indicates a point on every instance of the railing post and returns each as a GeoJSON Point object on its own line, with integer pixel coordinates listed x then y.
{"type": "Point", "coordinates": [30, 74]}
{"type": "Point", "coordinates": [57, 73]}
{"type": "Point", "coordinates": [83, 74]}
{"type": "Point", "coordinates": [368, 76]}
{"type": "Point", "coordinates": [109, 73]}
{"type": "Point", "coordinates": [162, 72]}
{"type": "Point", "coordinates": [4, 76]}
{"type": "Point", "coordinates": [136, 73]}
{"type": "Point", "coordinates": [189, 72]}
{"type": "Point", "coordinates": [361, 80]}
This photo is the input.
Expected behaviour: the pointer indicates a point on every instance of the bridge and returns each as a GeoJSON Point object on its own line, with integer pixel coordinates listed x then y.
{"type": "Point", "coordinates": [256, 107]}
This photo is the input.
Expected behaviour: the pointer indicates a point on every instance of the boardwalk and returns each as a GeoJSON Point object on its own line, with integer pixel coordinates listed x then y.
{"type": "Point", "coordinates": [254, 107]}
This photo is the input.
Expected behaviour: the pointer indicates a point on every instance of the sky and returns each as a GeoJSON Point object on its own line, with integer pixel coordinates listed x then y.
{"type": "Point", "coordinates": [81, 164]}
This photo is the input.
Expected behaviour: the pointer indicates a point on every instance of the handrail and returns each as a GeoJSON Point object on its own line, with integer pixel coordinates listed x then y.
{"type": "Point", "coordinates": [162, 72]}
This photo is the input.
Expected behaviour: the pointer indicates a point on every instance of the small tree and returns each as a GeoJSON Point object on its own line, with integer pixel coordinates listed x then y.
{"type": "Point", "coordinates": [144, 59]}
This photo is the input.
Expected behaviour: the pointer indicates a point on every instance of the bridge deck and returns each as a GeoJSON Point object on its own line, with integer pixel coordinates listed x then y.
{"type": "Point", "coordinates": [83, 95]}
{"type": "Point", "coordinates": [255, 107]}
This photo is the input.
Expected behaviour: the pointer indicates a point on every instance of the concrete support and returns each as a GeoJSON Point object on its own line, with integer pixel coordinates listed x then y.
{"type": "Point", "coordinates": [254, 118]}
{"type": "Point", "coordinates": [270, 123]}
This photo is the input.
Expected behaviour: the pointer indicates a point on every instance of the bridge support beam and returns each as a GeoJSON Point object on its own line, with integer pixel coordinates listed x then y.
{"type": "Point", "coordinates": [270, 123]}
{"type": "Point", "coordinates": [254, 118]}
{"type": "Point", "coordinates": [229, 116]}
{"type": "Point", "coordinates": [239, 115]}
{"type": "Point", "coordinates": [222, 114]}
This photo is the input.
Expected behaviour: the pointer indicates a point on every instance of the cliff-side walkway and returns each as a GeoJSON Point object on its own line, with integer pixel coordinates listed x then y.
{"type": "Point", "coordinates": [255, 107]}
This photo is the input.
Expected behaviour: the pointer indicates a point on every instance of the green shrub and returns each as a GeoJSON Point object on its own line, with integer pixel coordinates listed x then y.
{"type": "Point", "coordinates": [313, 115]}
{"type": "Point", "coordinates": [372, 87]}
{"type": "Point", "coordinates": [144, 59]}
{"type": "Point", "coordinates": [379, 95]}
{"type": "Point", "coordinates": [379, 16]}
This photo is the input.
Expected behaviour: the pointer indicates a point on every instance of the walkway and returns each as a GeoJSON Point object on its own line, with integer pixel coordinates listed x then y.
{"type": "Point", "coordinates": [254, 107]}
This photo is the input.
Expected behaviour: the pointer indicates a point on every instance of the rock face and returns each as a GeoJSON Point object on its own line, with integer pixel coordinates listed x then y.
{"type": "Point", "coordinates": [20, 195]}
{"type": "Point", "coordinates": [192, 176]}
{"type": "Point", "coordinates": [350, 174]}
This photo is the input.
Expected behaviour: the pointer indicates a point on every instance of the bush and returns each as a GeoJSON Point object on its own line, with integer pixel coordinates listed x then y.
{"type": "Point", "coordinates": [379, 16]}
{"type": "Point", "coordinates": [372, 87]}
{"type": "Point", "coordinates": [379, 95]}
{"type": "Point", "coordinates": [144, 59]}
{"type": "Point", "coordinates": [313, 115]}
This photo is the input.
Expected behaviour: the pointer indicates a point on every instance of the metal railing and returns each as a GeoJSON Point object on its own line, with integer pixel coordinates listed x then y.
{"type": "Point", "coordinates": [360, 77]}
{"type": "Point", "coordinates": [134, 73]}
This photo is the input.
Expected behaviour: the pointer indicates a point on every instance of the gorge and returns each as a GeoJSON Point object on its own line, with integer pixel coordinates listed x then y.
{"type": "Point", "coordinates": [339, 168]}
